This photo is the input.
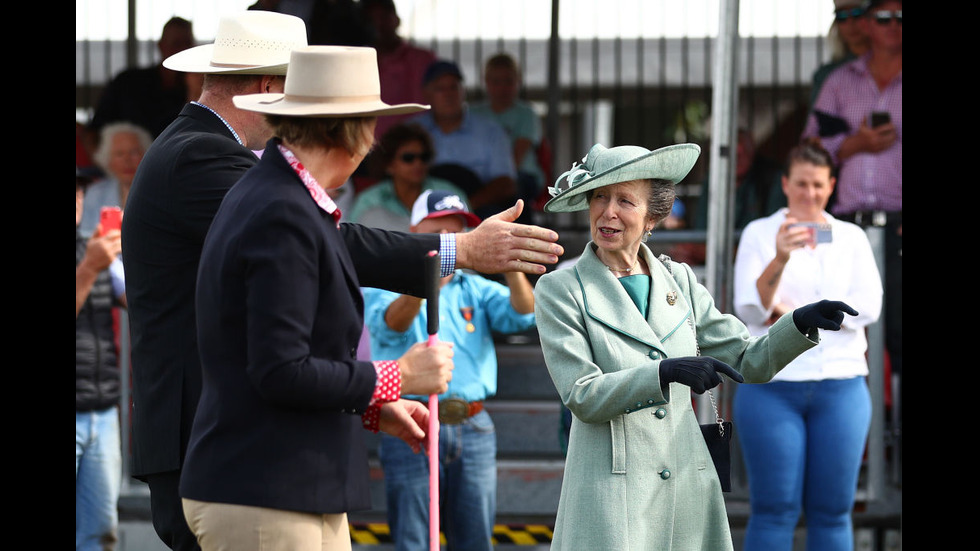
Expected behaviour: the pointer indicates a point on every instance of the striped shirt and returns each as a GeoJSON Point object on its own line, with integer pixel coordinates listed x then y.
{"type": "Point", "coordinates": [866, 181]}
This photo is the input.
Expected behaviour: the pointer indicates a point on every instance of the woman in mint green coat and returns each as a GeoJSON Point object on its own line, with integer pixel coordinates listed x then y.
{"type": "Point", "coordinates": [626, 336]}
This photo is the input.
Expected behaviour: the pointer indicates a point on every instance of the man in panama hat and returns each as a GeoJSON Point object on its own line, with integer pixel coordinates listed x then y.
{"type": "Point", "coordinates": [177, 190]}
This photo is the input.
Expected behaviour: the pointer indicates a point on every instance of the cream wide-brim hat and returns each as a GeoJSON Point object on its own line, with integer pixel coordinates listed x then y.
{"type": "Point", "coordinates": [254, 42]}
{"type": "Point", "coordinates": [605, 166]}
{"type": "Point", "coordinates": [328, 81]}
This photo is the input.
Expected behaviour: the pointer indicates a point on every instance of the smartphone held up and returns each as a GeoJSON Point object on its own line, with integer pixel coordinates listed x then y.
{"type": "Point", "coordinates": [818, 233]}
{"type": "Point", "coordinates": [878, 118]}
{"type": "Point", "coordinates": [110, 218]}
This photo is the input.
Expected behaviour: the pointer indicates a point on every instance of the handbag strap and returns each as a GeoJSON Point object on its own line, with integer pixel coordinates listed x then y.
{"type": "Point", "coordinates": [690, 321]}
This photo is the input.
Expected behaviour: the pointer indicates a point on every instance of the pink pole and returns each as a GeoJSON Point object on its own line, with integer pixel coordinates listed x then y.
{"type": "Point", "coordinates": [432, 325]}
{"type": "Point", "coordinates": [433, 467]}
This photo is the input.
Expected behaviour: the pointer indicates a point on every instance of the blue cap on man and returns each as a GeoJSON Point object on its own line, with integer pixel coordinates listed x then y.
{"type": "Point", "coordinates": [439, 68]}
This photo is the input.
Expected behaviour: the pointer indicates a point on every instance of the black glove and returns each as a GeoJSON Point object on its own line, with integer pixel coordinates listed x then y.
{"type": "Point", "coordinates": [826, 314]}
{"type": "Point", "coordinates": [698, 372]}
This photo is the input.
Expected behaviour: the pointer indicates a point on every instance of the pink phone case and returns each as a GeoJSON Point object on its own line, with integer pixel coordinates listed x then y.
{"type": "Point", "coordinates": [110, 218]}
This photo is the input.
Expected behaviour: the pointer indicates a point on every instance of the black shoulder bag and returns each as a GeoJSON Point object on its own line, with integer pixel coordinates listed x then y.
{"type": "Point", "coordinates": [717, 435]}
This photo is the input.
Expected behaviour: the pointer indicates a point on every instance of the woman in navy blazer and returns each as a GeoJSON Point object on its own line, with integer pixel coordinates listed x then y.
{"type": "Point", "coordinates": [276, 455]}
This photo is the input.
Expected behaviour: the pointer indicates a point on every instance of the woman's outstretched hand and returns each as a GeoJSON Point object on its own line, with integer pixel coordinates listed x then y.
{"type": "Point", "coordinates": [698, 372]}
{"type": "Point", "coordinates": [826, 314]}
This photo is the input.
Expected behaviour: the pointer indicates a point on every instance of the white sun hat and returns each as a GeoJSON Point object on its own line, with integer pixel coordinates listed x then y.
{"type": "Point", "coordinates": [328, 81]}
{"type": "Point", "coordinates": [254, 42]}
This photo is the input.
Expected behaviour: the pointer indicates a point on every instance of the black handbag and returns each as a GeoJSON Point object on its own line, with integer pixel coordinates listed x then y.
{"type": "Point", "coordinates": [718, 438]}
{"type": "Point", "coordinates": [717, 435]}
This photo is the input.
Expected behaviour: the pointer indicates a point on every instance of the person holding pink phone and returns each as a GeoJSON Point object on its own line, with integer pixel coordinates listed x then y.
{"type": "Point", "coordinates": [99, 289]}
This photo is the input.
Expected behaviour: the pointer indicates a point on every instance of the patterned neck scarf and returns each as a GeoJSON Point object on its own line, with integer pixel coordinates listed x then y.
{"type": "Point", "coordinates": [319, 195]}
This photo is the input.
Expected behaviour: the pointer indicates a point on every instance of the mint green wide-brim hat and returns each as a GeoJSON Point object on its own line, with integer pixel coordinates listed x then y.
{"type": "Point", "coordinates": [605, 166]}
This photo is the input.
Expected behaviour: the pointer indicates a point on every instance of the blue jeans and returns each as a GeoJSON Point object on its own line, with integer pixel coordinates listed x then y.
{"type": "Point", "coordinates": [467, 484]}
{"type": "Point", "coordinates": [98, 474]}
{"type": "Point", "coordinates": [803, 444]}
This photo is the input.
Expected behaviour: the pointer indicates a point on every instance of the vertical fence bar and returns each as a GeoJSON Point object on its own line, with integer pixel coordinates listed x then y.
{"type": "Point", "coordinates": [876, 381]}
{"type": "Point", "coordinates": [132, 41]}
{"type": "Point", "coordinates": [125, 400]}
{"type": "Point", "coordinates": [642, 138]}
{"type": "Point", "coordinates": [554, 85]}
{"type": "Point", "coordinates": [721, 176]}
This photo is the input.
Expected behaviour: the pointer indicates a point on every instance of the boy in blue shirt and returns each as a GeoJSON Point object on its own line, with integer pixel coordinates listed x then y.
{"type": "Point", "coordinates": [471, 309]}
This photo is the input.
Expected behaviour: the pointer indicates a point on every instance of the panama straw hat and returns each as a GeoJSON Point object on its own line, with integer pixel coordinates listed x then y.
{"type": "Point", "coordinates": [328, 81]}
{"type": "Point", "coordinates": [253, 43]}
{"type": "Point", "coordinates": [604, 166]}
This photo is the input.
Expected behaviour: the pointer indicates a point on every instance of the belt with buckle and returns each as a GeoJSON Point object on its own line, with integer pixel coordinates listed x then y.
{"type": "Point", "coordinates": [453, 411]}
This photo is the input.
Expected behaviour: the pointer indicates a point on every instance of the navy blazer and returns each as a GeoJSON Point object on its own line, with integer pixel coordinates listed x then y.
{"type": "Point", "coordinates": [178, 187]}
{"type": "Point", "coordinates": [280, 314]}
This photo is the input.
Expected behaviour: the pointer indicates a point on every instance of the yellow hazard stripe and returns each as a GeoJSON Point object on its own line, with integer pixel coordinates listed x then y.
{"type": "Point", "coordinates": [515, 534]}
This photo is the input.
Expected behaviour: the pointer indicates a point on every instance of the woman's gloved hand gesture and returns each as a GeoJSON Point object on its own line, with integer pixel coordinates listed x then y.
{"type": "Point", "coordinates": [826, 314]}
{"type": "Point", "coordinates": [698, 372]}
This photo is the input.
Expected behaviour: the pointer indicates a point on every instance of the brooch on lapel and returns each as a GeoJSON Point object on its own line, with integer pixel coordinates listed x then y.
{"type": "Point", "coordinates": [671, 297]}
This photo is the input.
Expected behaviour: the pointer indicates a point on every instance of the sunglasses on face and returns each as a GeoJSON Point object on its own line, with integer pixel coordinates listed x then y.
{"type": "Point", "coordinates": [844, 15]}
{"type": "Point", "coordinates": [884, 17]}
{"type": "Point", "coordinates": [409, 158]}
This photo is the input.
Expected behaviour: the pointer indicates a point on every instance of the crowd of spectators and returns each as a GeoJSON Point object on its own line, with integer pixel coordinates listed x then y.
{"type": "Point", "coordinates": [486, 152]}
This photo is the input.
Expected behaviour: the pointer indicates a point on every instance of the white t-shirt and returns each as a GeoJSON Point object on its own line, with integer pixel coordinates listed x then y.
{"type": "Point", "coordinates": [843, 269]}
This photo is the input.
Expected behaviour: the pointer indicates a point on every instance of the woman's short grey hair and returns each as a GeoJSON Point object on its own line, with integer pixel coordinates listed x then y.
{"type": "Point", "coordinates": [109, 131]}
{"type": "Point", "coordinates": [662, 195]}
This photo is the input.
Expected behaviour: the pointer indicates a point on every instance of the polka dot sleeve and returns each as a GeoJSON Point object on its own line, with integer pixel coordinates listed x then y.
{"type": "Point", "coordinates": [387, 389]}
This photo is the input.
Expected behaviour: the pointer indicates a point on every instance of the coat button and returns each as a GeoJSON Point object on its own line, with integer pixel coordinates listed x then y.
{"type": "Point", "coordinates": [665, 474]}
{"type": "Point", "coordinates": [660, 413]}
{"type": "Point", "coordinates": [654, 354]}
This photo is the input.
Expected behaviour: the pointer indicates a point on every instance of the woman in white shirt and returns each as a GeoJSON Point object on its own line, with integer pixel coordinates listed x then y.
{"type": "Point", "coordinates": [803, 434]}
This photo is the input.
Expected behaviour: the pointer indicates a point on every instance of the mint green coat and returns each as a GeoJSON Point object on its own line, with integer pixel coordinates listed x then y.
{"type": "Point", "coordinates": [638, 476]}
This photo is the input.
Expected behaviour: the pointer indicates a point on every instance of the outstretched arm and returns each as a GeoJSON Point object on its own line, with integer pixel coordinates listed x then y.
{"type": "Point", "coordinates": [500, 245]}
